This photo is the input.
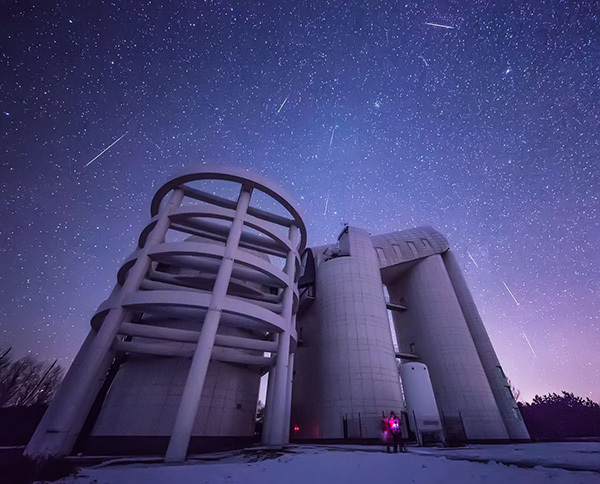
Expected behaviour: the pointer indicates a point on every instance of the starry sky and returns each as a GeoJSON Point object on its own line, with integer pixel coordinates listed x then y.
{"type": "Point", "coordinates": [477, 118]}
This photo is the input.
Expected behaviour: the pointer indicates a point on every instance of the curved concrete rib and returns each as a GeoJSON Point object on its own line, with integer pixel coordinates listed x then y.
{"type": "Point", "coordinates": [187, 336]}
{"type": "Point", "coordinates": [227, 355]}
{"type": "Point", "coordinates": [250, 181]}
{"type": "Point", "coordinates": [192, 305]}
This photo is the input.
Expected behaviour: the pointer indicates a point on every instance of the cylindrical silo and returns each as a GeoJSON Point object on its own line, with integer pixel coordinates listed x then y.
{"type": "Point", "coordinates": [346, 373]}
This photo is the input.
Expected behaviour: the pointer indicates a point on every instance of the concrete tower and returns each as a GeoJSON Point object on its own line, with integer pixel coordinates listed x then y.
{"type": "Point", "coordinates": [345, 373]}
{"type": "Point", "coordinates": [177, 350]}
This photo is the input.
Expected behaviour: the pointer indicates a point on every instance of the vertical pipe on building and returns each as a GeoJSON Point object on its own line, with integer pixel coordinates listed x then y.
{"type": "Point", "coordinates": [290, 382]}
{"type": "Point", "coordinates": [288, 403]}
{"type": "Point", "coordinates": [190, 400]}
{"type": "Point", "coordinates": [489, 360]}
{"type": "Point", "coordinates": [280, 396]}
{"type": "Point", "coordinates": [56, 436]}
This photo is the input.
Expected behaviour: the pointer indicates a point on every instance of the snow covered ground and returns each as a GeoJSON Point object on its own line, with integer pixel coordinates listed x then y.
{"type": "Point", "coordinates": [356, 464]}
{"type": "Point", "coordinates": [565, 455]}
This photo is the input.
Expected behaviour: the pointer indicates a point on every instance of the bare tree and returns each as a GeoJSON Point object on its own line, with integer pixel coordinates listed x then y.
{"type": "Point", "coordinates": [26, 381]}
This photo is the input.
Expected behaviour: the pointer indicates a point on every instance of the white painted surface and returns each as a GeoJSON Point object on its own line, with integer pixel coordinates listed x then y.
{"type": "Point", "coordinates": [420, 400]}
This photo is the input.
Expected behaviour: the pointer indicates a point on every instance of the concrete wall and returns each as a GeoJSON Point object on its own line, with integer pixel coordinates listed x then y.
{"type": "Point", "coordinates": [146, 392]}
{"type": "Point", "coordinates": [306, 400]}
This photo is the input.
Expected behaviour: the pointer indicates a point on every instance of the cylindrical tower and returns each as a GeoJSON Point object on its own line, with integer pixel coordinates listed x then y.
{"type": "Point", "coordinates": [226, 294]}
{"type": "Point", "coordinates": [433, 327]}
{"type": "Point", "coordinates": [346, 373]}
{"type": "Point", "coordinates": [499, 384]}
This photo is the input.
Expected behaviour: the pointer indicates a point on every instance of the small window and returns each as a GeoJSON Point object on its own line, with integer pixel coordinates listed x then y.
{"type": "Point", "coordinates": [509, 392]}
{"type": "Point", "coordinates": [413, 248]}
{"type": "Point", "coordinates": [501, 371]}
{"type": "Point", "coordinates": [426, 243]}
{"type": "Point", "coordinates": [381, 255]}
{"type": "Point", "coordinates": [517, 413]}
{"type": "Point", "coordinates": [397, 251]}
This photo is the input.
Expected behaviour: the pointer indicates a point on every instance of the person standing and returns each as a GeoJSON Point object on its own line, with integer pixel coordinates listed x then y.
{"type": "Point", "coordinates": [385, 432]}
{"type": "Point", "coordinates": [394, 428]}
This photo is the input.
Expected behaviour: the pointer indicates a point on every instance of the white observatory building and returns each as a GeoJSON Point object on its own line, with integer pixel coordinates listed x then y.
{"type": "Point", "coordinates": [220, 292]}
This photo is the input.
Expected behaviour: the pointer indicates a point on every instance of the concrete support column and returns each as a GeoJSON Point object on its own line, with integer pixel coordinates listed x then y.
{"type": "Point", "coordinates": [180, 438]}
{"type": "Point", "coordinates": [499, 384]}
{"type": "Point", "coordinates": [268, 420]}
{"type": "Point", "coordinates": [56, 435]}
{"type": "Point", "coordinates": [38, 446]}
{"type": "Point", "coordinates": [280, 394]}
{"type": "Point", "coordinates": [277, 414]}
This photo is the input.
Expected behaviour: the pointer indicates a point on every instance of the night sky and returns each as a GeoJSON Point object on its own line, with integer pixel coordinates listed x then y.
{"type": "Point", "coordinates": [484, 126]}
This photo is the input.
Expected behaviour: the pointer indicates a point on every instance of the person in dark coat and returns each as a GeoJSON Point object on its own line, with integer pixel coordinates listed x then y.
{"type": "Point", "coordinates": [394, 429]}
{"type": "Point", "coordinates": [386, 436]}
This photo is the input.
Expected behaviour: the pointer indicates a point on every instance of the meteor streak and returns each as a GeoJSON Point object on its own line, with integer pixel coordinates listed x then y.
{"type": "Point", "coordinates": [105, 150]}
{"type": "Point", "coordinates": [326, 205]}
{"type": "Point", "coordinates": [471, 257]}
{"type": "Point", "coordinates": [511, 294]}
{"type": "Point", "coordinates": [439, 25]}
{"type": "Point", "coordinates": [332, 133]}
{"type": "Point", "coordinates": [282, 104]}
{"type": "Point", "coordinates": [530, 347]}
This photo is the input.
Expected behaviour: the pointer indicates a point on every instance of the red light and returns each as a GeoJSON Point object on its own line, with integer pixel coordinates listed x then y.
{"type": "Point", "coordinates": [296, 428]}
